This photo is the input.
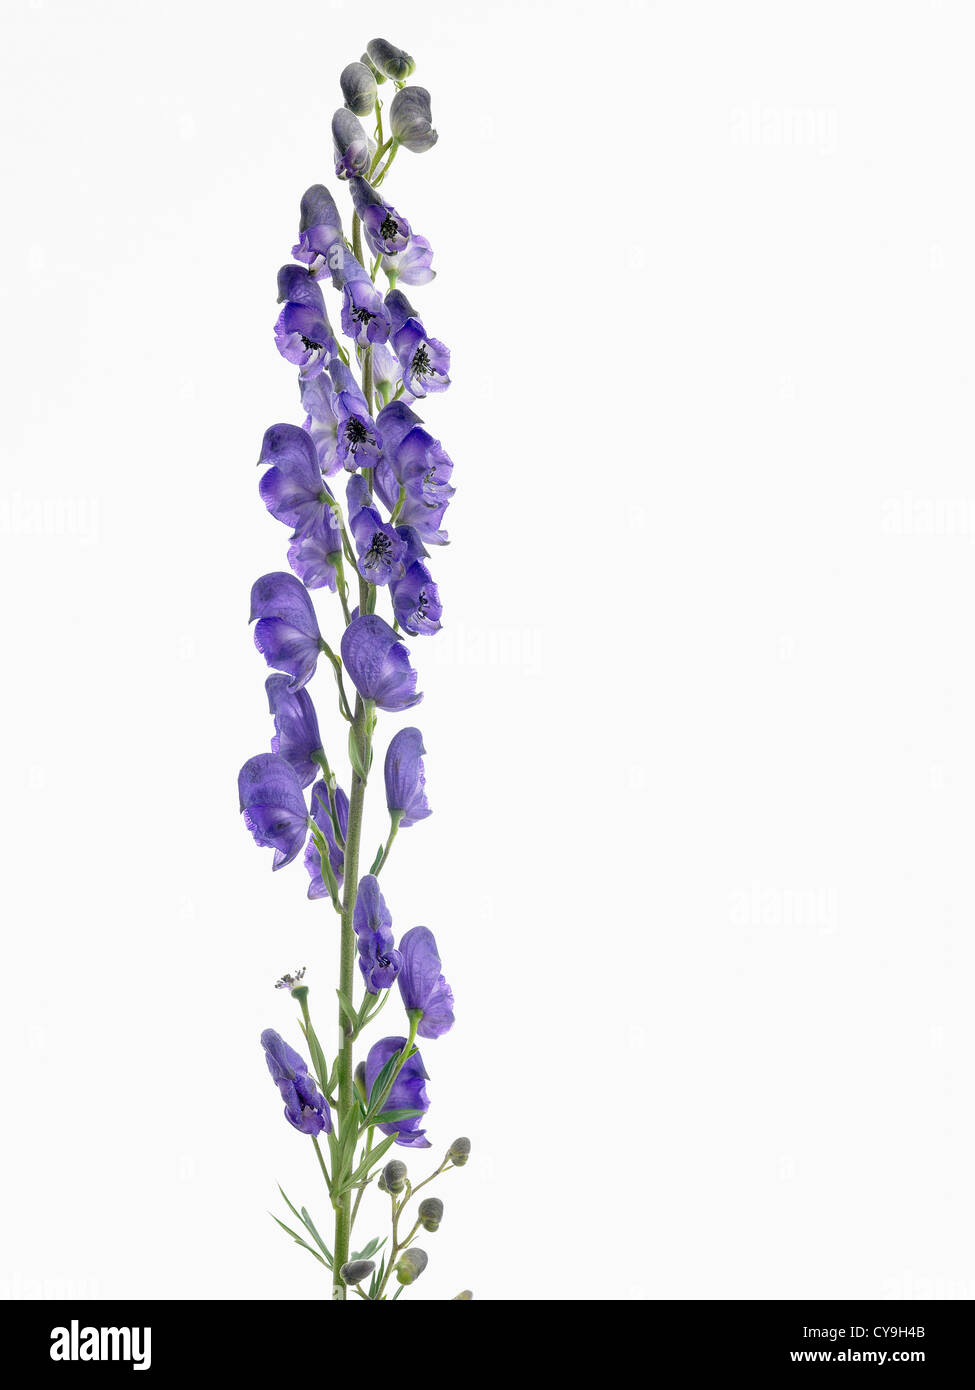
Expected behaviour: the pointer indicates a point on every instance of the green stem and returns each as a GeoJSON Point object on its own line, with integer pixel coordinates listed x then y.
{"type": "Point", "coordinates": [394, 820]}
{"type": "Point", "coordinates": [348, 1108]}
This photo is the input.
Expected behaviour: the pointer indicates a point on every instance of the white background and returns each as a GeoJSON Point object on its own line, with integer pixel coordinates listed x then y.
{"type": "Point", "coordinates": [700, 724]}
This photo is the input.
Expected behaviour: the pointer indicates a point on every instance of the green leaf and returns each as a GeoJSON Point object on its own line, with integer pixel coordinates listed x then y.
{"type": "Point", "coordinates": [389, 1117]}
{"type": "Point", "coordinates": [369, 1162]}
{"type": "Point", "coordinates": [317, 1238]}
{"type": "Point", "coordinates": [347, 1008]}
{"type": "Point", "coordinates": [370, 1249]}
{"type": "Point", "coordinates": [298, 1241]}
{"type": "Point", "coordinates": [318, 1060]}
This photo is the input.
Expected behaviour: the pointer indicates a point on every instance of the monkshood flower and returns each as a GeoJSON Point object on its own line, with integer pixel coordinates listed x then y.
{"type": "Point", "coordinates": [423, 987]}
{"type": "Point", "coordinates": [387, 231]}
{"type": "Point", "coordinates": [353, 148]}
{"type": "Point", "coordinates": [419, 464]}
{"type": "Point", "coordinates": [359, 88]}
{"type": "Point", "coordinates": [358, 440]}
{"type": "Point", "coordinates": [390, 60]}
{"type": "Point", "coordinates": [412, 266]}
{"type": "Point", "coordinates": [296, 735]}
{"type": "Point", "coordinates": [365, 317]}
{"type": "Point", "coordinates": [372, 923]}
{"type": "Point", "coordinates": [378, 664]}
{"type": "Point", "coordinates": [295, 493]}
{"type": "Point", "coordinates": [405, 780]}
{"type": "Point", "coordinates": [321, 421]}
{"type": "Point", "coordinates": [394, 423]}
{"type": "Point", "coordinates": [408, 1092]}
{"type": "Point", "coordinates": [304, 1105]}
{"type": "Point", "coordinates": [273, 806]}
{"type": "Point", "coordinates": [380, 549]}
{"type": "Point", "coordinates": [286, 634]}
{"type": "Point", "coordinates": [321, 243]}
{"type": "Point", "coordinates": [303, 333]}
{"type": "Point", "coordinates": [416, 601]}
{"type": "Point", "coordinates": [318, 888]}
{"type": "Point", "coordinates": [425, 361]}
{"type": "Point", "coordinates": [409, 119]}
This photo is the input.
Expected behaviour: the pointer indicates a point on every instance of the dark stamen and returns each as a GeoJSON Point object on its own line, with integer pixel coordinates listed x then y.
{"type": "Point", "coordinates": [378, 552]}
{"type": "Point", "coordinates": [389, 227]}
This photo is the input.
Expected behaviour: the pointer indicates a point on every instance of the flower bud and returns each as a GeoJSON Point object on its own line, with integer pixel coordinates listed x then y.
{"type": "Point", "coordinates": [390, 60]}
{"type": "Point", "coordinates": [356, 1270]}
{"type": "Point", "coordinates": [459, 1152]}
{"type": "Point", "coordinates": [352, 154]}
{"type": "Point", "coordinates": [359, 1080]}
{"type": "Point", "coordinates": [411, 1265]}
{"type": "Point", "coordinates": [430, 1212]}
{"type": "Point", "coordinates": [409, 119]}
{"type": "Point", "coordinates": [394, 1176]}
{"type": "Point", "coordinates": [465, 1294]}
{"type": "Point", "coordinates": [359, 88]}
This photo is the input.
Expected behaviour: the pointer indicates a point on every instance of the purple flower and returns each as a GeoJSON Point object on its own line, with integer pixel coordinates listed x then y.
{"type": "Point", "coordinates": [304, 1105]}
{"type": "Point", "coordinates": [425, 361]}
{"type": "Point", "coordinates": [389, 60]}
{"type": "Point", "coordinates": [412, 266]}
{"type": "Point", "coordinates": [416, 601]}
{"type": "Point", "coordinates": [387, 376]}
{"type": "Point", "coordinates": [287, 634]}
{"type": "Point", "coordinates": [318, 888]}
{"type": "Point", "coordinates": [372, 922]}
{"type": "Point", "coordinates": [320, 239]}
{"type": "Point", "coordinates": [296, 735]}
{"type": "Point", "coordinates": [365, 317]}
{"type": "Point", "coordinates": [405, 779]}
{"type": "Point", "coordinates": [387, 231]}
{"type": "Point", "coordinates": [294, 491]}
{"type": "Point", "coordinates": [408, 1091]}
{"type": "Point", "coordinates": [273, 805]}
{"type": "Point", "coordinates": [421, 984]}
{"type": "Point", "coordinates": [303, 333]}
{"type": "Point", "coordinates": [409, 119]}
{"type": "Point", "coordinates": [321, 421]}
{"type": "Point", "coordinates": [353, 148]}
{"type": "Point", "coordinates": [358, 439]}
{"type": "Point", "coordinates": [378, 664]}
{"type": "Point", "coordinates": [381, 551]}
{"type": "Point", "coordinates": [419, 464]}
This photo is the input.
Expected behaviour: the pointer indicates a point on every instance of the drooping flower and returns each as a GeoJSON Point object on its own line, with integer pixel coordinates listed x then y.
{"type": "Point", "coordinates": [320, 239]}
{"type": "Point", "coordinates": [294, 491]}
{"type": "Point", "coordinates": [421, 984]}
{"type": "Point", "coordinates": [358, 440]}
{"type": "Point", "coordinates": [286, 634]}
{"type": "Point", "coordinates": [387, 231]}
{"type": "Point", "coordinates": [321, 813]}
{"type": "Point", "coordinates": [352, 147]}
{"type": "Point", "coordinates": [273, 806]}
{"type": "Point", "coordinates": [425, 361]}
{"type": "Point", "coordinates": [420, 465]}
{"type": "Point", "coordinates": [304, 1105]}
{"type": "Point", "coordinates": [380, 549]}
{"type": "Point", "coordinates": [389, 60]}
{"type": "Point", "coordinates": [405, 779]}
{"type": "Point", "coordinates": [372, 922]}
{"type": "Point", "coordinates": [365, 317]}
{"type": "Point", "coordinates": [296, 735]}
{"type": "Point", "coordinates": [321, 421]}
{"type": "Point", "coordinates": [416, 601]}
{"type": "Point", "coordinates": [303, 333]}
{"type": "Point", "coordinates": [378, 664]}
{"type": "Point", "coordinates": [408, 1092]}
{"type": "Point", "coordinates": [359, 88]}
{"type": "Point", "coordinates": [409, 118]}
{"type": "Point", "coordinates": [412, 266]}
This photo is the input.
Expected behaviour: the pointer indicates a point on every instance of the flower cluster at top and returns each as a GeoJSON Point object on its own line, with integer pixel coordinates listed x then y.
{"type": "Point", "coordinates": [365, 362]}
